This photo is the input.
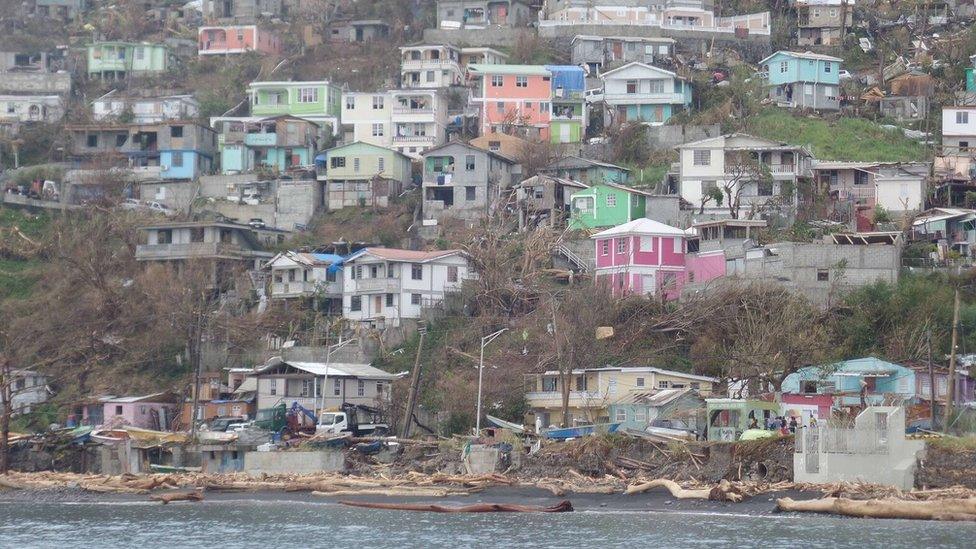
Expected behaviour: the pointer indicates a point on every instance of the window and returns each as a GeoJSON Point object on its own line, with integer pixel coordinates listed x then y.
{"type": "Point", "coordinates": [640, 415]}
{"type": "Point", "coordinates": [611, 200]}
{"type": "Point", "coordinates": [355, 164]}
{"type": "Point", "coordinates": [452, 273]}
{"type": "Point", "coordinates": [621, 415]}
{"type": "Point", "coordinates": [663, 384]}
{"type": "Point", "coordinates": [605, 247]}
{"type": "Point", "coordinates": [273, 386]}
{"type": "Point", "coordinates": [361, 388]}
{"type": "Point", "coordinates": [177, 159]}
{"type": "Point", "coordinates": [584, 204]}
{"type": "Point", "coordinates": [164, 236]}
{"type": "Point", "coordinates": [494, 145]}
{"type": "Point", "coordinates": [308, 95]}
{"type": "Point", "coordinates": [544, 107]}
{"type": "Point", "coordinates": [140, 54]}
{"type": "Point", "coordinates": [823, 275]}
{"type": "Point", "coordinates": [430, 76]}
{"type": "Point", "coordinates": [91, 140]}
{"type": "Point", "coordinates": [356, 272]}
{"type": "Point", "coordinates": [963, 147]}
{"type": "Point", "coordinates": [962, 117]}
{"type": "Point", "coordinates": [548, 385]}
{"type": "Point", "coordinates": [379, 387]}
{"type": "Point", "coordinates": [678, 245]}
{"type": "Point", "coordinates": [350, 102]}
{"type": "Point", "coordinates": [336, 387]}
{"type": "Point", "coordinates": [415, 299]}
{"type": "Point", "coordinates": [764, 188]}
{"type": "Point", "coordinates": [521, 82]}
{"type": "Point", "coordinates": [828, 67]}
{"type": "Point", "coordinates": [469, 162]}
{"type": "Point", "coordinates": [120, 139]}
{"type": "Point", "coordinates": [356, 303]}
{"type": "Point", "coordinates": [621, 245]}
{"type": "Point", "coordinates": [377, 130]}
{"type": "Point", "coordinates": [528, 105]}
{"type": "Point", "coordinates": [377, 102]}
{"type": "Point", "coordinates": [702, 157]}
{"type": "Point", "coordinates": [631, 86]}
{"type": "Point", "coordinates": [389, 300]}
{"type": "Point", "coordinates": [338, 162]}
{"type": "Point", "coordinates": [381, 164]}
{"type": "Point", "coordinates": [306, 388]}
{"type": "Point", "coordinates": [695, 385]}
{"type": "Point", "coordinates": [500, 106]}
{"type": "Point", "coordinates": [416, 271]}
{"type": "Point", "coordinates": [640, 382]}
{"type": "Point", "coordinates": [784, 66]}
{"type": "Point", "coordinates": [497, 80]}
{"type": "Point", "coordinates": [118, 410]}
{"type": "Point", "coordinates": [691, 277]}
{"type": "Point", "coordinates": [645, 244]}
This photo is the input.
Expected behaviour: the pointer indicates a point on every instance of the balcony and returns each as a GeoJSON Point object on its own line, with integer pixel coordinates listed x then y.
{"type": "Point", "coordinates": [261, 139]}
{"type": "Point", "coordinates": [184, 251]}
{"type": "Point", "coordinates": [781, 169]}
{"type": "Point", "coordinates": [415, 139]}
{"type": "Point", "coordinates": [429, 64]}
{"type": "Point", "coordinates": [407, 110]}
{"type": "Point", "coordinates": [374, 285]}
{"type": "Point", "coordinates": [640, 98]}
{"type": "Point", "coordinates": [292, 289]}
{"type": "Point", "coordinates": [554, 399]}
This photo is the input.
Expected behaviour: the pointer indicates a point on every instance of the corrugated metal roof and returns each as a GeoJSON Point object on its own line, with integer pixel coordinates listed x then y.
{"type": "Point", "coordinates": [641, 226]}
{"type": "Point", "coordinates": [341, 369]}
{"type": "Point", "coordinates": [393, 254]}
{"type": "Point", "coordinates": [520, 70]}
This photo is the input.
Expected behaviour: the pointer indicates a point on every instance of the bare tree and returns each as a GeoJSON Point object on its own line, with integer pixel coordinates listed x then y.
{"type": "Point", "coordinates": [741, 169]}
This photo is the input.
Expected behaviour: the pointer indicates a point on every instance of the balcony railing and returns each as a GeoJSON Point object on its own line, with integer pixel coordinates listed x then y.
{"type": "Point", "coordinates": [298, 287]}
{"type": "Point", "coordinates": [388, 285]}
{"type": "Point", "coordinates": [414, 139]}
{"type": "Point", "coordinates": [555, 398]}
{"type": "Point", "coordinates": [408, 110]}
{"type": "Point", "coordinates": [190, 249]}
{"type": "Point", "coordinates": [640, 98]}
{"type": "Point", "coordinates": [732, 167]}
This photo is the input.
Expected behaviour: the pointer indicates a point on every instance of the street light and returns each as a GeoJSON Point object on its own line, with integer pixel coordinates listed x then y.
{"type": "Point", "coordinates": [481, 372]}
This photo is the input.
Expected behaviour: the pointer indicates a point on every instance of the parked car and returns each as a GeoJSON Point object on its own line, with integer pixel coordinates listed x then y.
{"type": "Point", "coordinates": [130, 204]}
{"type": "Point", "coordinates": [844, 74]}
{"type": "Point", "coordinates": [256, 223]}
{"type": "Point", "coordinates": [159, 208]}
{"type": "Point", "coordinates": [223, 424]}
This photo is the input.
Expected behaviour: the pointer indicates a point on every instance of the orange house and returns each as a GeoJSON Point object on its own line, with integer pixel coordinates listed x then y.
{"type": "Point", "coordinates": [517, 95]}
{"type": "Point", "coordinates": [233, 39]}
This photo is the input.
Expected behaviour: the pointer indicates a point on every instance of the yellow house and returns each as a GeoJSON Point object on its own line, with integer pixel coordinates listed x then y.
{"type": "Point", "coordinates": [595, 390]}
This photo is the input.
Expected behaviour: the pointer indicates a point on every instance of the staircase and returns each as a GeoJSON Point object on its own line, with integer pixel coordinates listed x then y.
{"type": "Point", "coordinates": [577, 263]}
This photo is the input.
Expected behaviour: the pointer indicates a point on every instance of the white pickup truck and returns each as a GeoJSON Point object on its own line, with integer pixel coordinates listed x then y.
{"type": "Point", "coordinates": [357, 419]}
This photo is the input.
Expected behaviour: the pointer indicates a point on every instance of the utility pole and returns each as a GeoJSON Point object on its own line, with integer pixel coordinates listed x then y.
{"type": "Point", "coordinates": [414, 387]}
{"type": "Point", "coordinates": [931, 380]}
{"type": "Point", "coordinates": [951, 389]}
{"type": "Point", "coordinates": [195, 352]}
{"type": "Point", "coordinates": [481, 369]}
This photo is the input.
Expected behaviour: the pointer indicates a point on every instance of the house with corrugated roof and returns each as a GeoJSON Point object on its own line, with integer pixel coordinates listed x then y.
{"type": "Point", "coordinates": [385, 286]}
{"type": "Point", "coordinates": [870, 380]}
{"type": "Point", "coordinates": [803, 80]}
{"type": "Point", "coordinates": [320, 385]}
{"type": "Point", "coordinates": [606, 205]}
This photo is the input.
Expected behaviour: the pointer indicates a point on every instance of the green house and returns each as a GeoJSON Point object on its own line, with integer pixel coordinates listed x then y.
{"type": "Point", "coordinates": [606, 205]}
{"type": "Point", "coordinates": [121, 59]}
{"type": "Point", "coordinates": [318, 101]}
{"type": "Point", "coordinates": [363, 174]}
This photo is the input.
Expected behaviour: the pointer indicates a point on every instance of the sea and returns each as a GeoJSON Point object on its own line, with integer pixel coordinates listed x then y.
{"type": "Point", "coordinates": [272, 523]}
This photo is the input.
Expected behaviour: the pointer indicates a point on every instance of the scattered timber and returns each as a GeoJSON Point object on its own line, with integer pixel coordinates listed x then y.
{"type": "Point", "coordinates": [561, 507]}
{"type": "Point", "coordinates": [195, 495]}
{"type": "Point", "coordinates": [891, 508]}
{"type": "Point", "coordinates": [723, 491]}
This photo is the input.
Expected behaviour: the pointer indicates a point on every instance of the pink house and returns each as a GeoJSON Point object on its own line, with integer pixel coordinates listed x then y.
{"type": "Point", "coordinates": [157, 411]}
{"type": "Point", "coordinates": [651, 258]}
{"type": "Point", "coordinates": [512, 94]}
{"type": "Point", "coordinates": [232, 39]}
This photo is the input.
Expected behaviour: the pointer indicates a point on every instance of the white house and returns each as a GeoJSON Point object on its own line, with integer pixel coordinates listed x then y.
{"type": "Point", "coordinates": [31, 108]}
{"type": "Point", "coordinates": [387, 286]}
{"type": "Point", "coordinates": [641, 92]}
{"type": "Point", "coordinates": [145, 110]}
{"type": "Point", "coordinates": [430, 66]}
{"type": "Point", "coordinates": [409, 121]}
{"type": "Point", "coordinates": [321, 385]}
{"type": "Point", "coordinates": [958, 130]}
{"type": "Point", "coordinates": [762, 173]}
{"type": "Point", "coordinates": [28, 389]}
{"type": "Point", "coordinates": [302, 275]}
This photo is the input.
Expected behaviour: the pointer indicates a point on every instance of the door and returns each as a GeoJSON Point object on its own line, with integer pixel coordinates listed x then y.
{"type": "Point", "coordinates": [378, 304]}
{"type": "Point", "coordinates": [565, 133]}
{"type": "Point", "coordinates": [649, 284]}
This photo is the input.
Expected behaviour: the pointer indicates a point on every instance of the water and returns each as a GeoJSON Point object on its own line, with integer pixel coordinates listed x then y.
{"type": "Point", "coordinates": [276, 523]}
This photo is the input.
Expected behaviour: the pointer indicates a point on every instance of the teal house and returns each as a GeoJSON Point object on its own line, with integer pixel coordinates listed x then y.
{"type": "Point", "coordinates": [121, 59]}
{"type": "Point", "coordinates": [606, 205]}
{"type": "Point", "coordinates": [587, 171]}
{"type": "Point", "coordinates": [637, 92]}
{"type": "Point", "coordinates": [279, 144]}
{"type": "Point", "coordinates": [803, 80]}
{"type": "Point", "coordinates": [315, 101]}
{"type": "Point", "coordinates": [882, 381]}
{"type": "Point", "coordinates": [638, 408]}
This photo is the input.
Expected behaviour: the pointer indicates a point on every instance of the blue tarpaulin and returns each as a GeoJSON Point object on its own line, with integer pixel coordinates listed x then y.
{"type": "Point", "coordinates": [335, 261]}
{"type": "Point", "coordinates": [567, 77]}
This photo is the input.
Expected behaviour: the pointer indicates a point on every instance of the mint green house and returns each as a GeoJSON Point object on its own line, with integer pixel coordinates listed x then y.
{"type": "Point", "coordinates": [279, 144]}
{"type": "Point", "coordinates": [121, 59]}
{"type": "Point", "coordinates": [606, 205]}
{"type": "Point", "coordinates": [362, 174]}
{"type": "Point", "coordinates": [318, 101]}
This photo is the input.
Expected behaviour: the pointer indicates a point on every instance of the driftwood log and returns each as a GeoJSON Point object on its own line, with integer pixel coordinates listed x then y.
{"type": "Point", "coordinates": [195, 495]}
{"type": "Point", "coordinates": [946, 509]}
{"type": "Point", "coordinates": [561, 507]}
{"type": "Point", "coordinates": [724, 491]}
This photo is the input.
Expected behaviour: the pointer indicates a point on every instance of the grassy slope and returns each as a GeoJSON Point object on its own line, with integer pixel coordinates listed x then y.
{"type": "Point", "coordinates": [17, 276]}
{"type": "Point", "coordinates": [844, 139]}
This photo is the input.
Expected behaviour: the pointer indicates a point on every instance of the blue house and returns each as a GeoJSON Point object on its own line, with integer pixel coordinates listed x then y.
{"type": "Point", "coordinates": [638, 408]}
{"type": "Point", "coordinates": [885, 382]}
{"type": "Point", "coordinates": [637, 92]}
{"type": "Point", "coordinates": [803, 80]}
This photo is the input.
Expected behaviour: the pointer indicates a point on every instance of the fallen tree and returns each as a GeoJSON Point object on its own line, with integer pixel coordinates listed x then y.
{"type": "Point", "coordinates": [195, 495]}
{"type": "Point", "coordinates": [561, 507]}
{"type": "Point", "coordinates": [946, 509]}
{"type": "Point", "coordinates": [723, 491]}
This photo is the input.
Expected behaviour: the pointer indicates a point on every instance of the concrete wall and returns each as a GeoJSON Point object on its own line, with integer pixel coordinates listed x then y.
{"type": "Point", "coordinates": [275, 463]}
{"type": "Point", "coordinates": [494, 36]}
{"type": "Point", "coordinates": [667, 137]}
{"type": "Point", "coordinates": [30, 82]}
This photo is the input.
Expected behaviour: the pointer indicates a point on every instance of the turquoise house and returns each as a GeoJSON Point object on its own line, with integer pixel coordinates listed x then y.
{"type": "Point", "coordinates": [606, 205]}
{"type": "Point", "coordinates": [803, 80]}
{"type": "Point", "coordinates": [882, 381]}
{"type": "Point", "coordinates": [587, 171]}
{"type": "Point", "coordinates": [280, 143]}
{"type": "Point", "coordinates": [637, 92]}
{"type": "Point", "coordinates": [120, 59]}
{"type": "Point", "coordinates": [637, 409]}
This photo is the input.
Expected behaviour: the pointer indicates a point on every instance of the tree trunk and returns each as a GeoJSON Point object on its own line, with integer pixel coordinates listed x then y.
{"type": "Point", "coordinates": [7, 396]}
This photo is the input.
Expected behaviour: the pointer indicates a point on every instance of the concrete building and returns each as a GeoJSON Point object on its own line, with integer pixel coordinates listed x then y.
{"type": "Point", "coordinates": [280, 144]}
{"type": "Point", "coordinates": [30, 108]}
{"type": "Point", "coordinates": [318, 102]}
{"type": "Point", "coordinates": [308, 276]}
{"type": "Point", "coordinates": [28, 389]}
{"type": "Point", "coordinates": [855, 189]}
{"type": "Point", "coordinates": [62, 10]}
{"type": "Point", "coordinates": [958, 130]}
{"type": "Point", "coordinates": [595, 390]}
{"type": "Point", "coordinates": [237, 39]}
{"type": "Point", "coordinates": [321, 385]}
{"type": "Point", "coordinates": [461, 14]}
{"type": "Point", "coordinates": [512, 96]}
{"type": "Point", "coordinates": [144, 110]}
{"type": "Point", "coordinates": [659, 14]}
{"type": "Point", "coordinates": [243, 11]}
{"type": "Point", "coordinates": [823, 272]}
{"type": "Point", "coordinates": [507, 145]}
{"type": "Point", "coordinates": [410, 121]}
{"type": "Point", "coordinates": [363, 175]}
{"type": "Point", "coordinates": [430, 66]}
{"type": "Point", "coordinates": [176, 149]}
{"type": "Point", "coordinates": [762, 174]}
{"type": "Point", "coordinates": [357, 31]}
{"type": "Point", "coordinates": [117, 60]}
{"type": "Point", "coordinates": [600, 53]}
{"type": "Point", "coordinates": [156, 411]}
{"type": "Point", "coordinates": [385, 287]}
{"type": "Point", "coordinates": [544, 200]}
{"type": "Point", "coordinates": [823, 22]}
{"type": "Point", "coordinates": [482, 56]}
{"type": "Point", "coordinates": [464, 182]}
{"type": "Point", "coordinates": [803, 80]}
